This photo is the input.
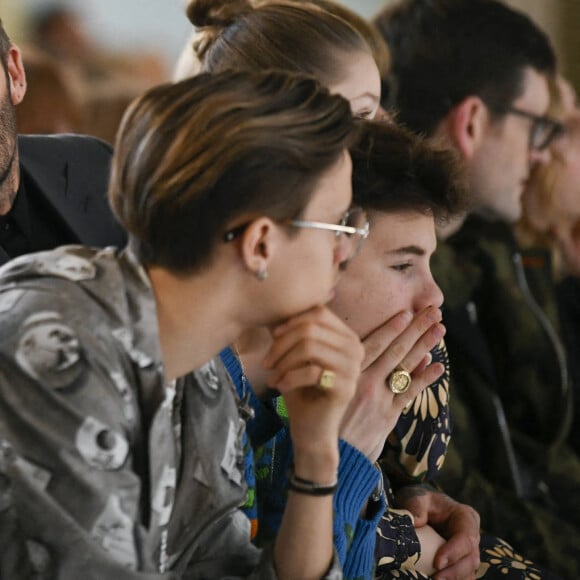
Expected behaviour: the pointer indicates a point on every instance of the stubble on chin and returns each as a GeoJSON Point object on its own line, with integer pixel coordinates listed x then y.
{"type": "Point", "coordinates": [9, 186]}
{"type": "Point", "coordinates": [9, 168]}
{"type": "Point", "coordinates": [6, 201]}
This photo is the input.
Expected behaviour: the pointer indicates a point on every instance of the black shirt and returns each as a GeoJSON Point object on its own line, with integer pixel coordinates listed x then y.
{"type": "Point", "coordinates": [32, 225]}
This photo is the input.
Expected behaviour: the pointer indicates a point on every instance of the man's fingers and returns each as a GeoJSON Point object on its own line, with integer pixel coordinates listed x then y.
{"type": "Point", "coordinates": [409, 357]}
{"type": "Point", "coordinates": [458, 558]}
{"type": "Point", "coordinates": [380, 339]}
{"type": "Point", "coordinates": [417, 500]}
{"type": "Point", "coordinates": [398, 335]}
{"type": "Point", "coordinates": [427, 360]}
{"type": "Point", "coordinates": [413, 359]}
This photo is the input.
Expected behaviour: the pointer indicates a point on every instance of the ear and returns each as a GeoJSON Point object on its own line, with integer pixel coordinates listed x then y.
{"type": "Point", "coordinates": [16, 74]}
{"type": "Point", "coordinates": [258, 245]}
{"type": "Point", "coordinates": [467, 125]}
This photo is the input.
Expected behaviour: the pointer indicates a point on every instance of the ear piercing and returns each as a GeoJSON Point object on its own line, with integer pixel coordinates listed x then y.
{"type": "Point", "coordinates": [262, 275]}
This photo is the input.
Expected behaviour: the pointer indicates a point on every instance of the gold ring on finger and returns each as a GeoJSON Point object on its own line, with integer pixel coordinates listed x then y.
{"type": "Point", "coordinates": [326, 381]}
{"type": "Point", "coordinates": [399, 381]}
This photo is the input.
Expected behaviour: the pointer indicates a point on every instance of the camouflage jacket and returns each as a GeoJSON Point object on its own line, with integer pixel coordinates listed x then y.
{"type": "Point", "coordinates": [511, 402]}
{"type": "Point", "coordinates": [569, 306]}
{"type": "Point", "coordinates": [106, 471]}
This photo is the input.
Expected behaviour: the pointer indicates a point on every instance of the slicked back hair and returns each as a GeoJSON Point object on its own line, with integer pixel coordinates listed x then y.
{"type": "Point", "coordinates": [293, 36]}
{"type": "Point", "coordinates": [193, 157]}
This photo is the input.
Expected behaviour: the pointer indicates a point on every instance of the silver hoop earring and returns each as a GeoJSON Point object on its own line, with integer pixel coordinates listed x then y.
{"type": "Point", "coordinates": [262, 275]}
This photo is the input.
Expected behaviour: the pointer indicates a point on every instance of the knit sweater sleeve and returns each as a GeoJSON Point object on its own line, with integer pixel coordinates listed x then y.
{"type": "Point", "coordinates": [354, 534]}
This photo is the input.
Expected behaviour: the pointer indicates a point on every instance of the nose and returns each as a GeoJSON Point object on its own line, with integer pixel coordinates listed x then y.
{"type": "Point", "coordinates": [540, 156]}
{"type": "Point", "coordinates": [430, 295]}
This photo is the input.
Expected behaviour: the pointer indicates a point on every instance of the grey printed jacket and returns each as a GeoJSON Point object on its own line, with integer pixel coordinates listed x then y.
{"type": "Point", "coordinates": [105, 470]}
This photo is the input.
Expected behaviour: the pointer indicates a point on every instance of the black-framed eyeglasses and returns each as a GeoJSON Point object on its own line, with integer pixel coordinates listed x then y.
{"type": "Point", "coordinates": [544, 128]}
{"type": "Point", "coordinates": [354, 224]}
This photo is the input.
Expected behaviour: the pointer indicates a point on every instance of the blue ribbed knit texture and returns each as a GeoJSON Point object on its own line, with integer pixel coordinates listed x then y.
{"type": "Point", "coordinates": [353, 536]}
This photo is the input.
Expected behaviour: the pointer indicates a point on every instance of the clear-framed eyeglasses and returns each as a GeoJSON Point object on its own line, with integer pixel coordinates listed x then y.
{"type": "Point", "coordinates": [353, 228]}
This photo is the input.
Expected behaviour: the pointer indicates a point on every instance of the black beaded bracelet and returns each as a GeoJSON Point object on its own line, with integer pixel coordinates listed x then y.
{"type": "Point", "coordinates": [307, 487]}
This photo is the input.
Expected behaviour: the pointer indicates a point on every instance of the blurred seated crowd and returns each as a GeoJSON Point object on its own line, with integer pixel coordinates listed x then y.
{"type": "Point", "coordinates": [74, 84]}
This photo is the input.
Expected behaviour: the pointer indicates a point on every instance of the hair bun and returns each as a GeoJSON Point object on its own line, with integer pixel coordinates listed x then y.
{"type": "Point", "coordinates": [211, 17]}
{"type": "Point", "coordinates": [216, 13]}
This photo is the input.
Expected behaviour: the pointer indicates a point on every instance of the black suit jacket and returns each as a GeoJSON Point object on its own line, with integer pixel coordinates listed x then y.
{"type": "Point", "coordinates": [72, 174]}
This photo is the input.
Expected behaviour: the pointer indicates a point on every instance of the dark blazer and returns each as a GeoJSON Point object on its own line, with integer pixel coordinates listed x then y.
{"type": "Point", "coordinates": [72, 172]}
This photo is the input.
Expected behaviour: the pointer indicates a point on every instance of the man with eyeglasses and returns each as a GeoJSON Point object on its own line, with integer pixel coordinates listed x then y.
{"type": "Point", "coordinates": [474, 74]}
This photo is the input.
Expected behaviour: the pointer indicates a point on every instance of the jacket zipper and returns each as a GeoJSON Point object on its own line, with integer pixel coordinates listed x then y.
{"type": "Point", "coordinates": [554, 339]}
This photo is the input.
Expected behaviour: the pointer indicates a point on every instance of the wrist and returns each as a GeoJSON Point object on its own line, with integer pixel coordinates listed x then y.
{"type": "Point", "coordinates": [298, 484]}
{"type": "Point", "coordinates": [320, 464]}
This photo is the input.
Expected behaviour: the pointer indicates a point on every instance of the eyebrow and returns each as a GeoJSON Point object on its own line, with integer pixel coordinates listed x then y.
{"type": "Point", "coordinates": [416, 250]}
{"type": "Point", "coordinates": [367, 95]}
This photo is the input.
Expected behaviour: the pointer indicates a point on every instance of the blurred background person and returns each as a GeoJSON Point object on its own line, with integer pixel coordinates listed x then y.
{"type": "Point", "coordinates": [108, 80]}
{"type": "Point", "coordinates": [104, 105]}
{"type": "Point", "coordinates": [550, 230]}
{"type": "Point", "coordinates": [60, 31]}
{"type": "Point", "coordinates": [551, 201]}
{"type": "Point", "coordinates": [476, 75]}
{"type": "Point", "coordinates": [52, 103]}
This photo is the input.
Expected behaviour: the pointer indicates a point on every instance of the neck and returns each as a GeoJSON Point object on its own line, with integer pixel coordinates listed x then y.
{"type": "Point", "coordinates": [253, 345]}
{"type": "Point", "coordinates": [198, 315]}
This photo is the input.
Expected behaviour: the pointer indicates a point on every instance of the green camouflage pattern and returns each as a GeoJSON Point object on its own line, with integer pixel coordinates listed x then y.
{"type": "Point", "coordinates": [505, 366]}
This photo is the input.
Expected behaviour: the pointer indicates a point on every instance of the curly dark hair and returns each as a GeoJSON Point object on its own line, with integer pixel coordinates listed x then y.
{"type": "Point", "coordinates": [395, 170]}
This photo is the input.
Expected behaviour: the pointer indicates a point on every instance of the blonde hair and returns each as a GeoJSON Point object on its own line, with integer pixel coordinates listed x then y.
{"type": "Point", "coordinates": [544, 176]}
{"type": "Point", "coordinates": [541, 189]}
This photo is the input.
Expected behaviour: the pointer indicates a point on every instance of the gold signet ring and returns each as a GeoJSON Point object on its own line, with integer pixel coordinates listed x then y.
{"type": "Point", "coordinates": [399, 381]}
{"type": "Point", "coordinates": [326, 380]}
